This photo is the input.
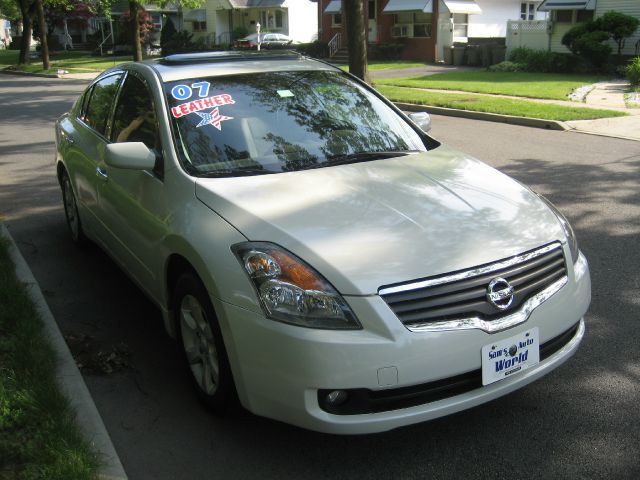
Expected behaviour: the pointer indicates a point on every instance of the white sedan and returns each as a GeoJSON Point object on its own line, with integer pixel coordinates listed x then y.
{"type": "Point", "coordinates": [320, 258]}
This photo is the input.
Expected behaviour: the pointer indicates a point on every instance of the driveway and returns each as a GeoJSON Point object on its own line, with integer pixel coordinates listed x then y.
{"type": "Point", "coordinates": [582, 421]}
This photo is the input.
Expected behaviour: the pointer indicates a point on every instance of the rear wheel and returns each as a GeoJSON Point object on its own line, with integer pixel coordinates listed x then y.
{"type": "Point", "coordinates": [202, 344]}
{"type": "Point", "coordinates": [71, 211]}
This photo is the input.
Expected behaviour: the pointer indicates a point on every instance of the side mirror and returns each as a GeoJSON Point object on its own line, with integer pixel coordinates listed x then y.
{"type": "Point", "coordinates": [422, 120]}
{"type": "Point", "coordinates": [130, 155]}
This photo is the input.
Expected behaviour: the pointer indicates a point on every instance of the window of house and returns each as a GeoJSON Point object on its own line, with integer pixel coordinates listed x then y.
{"type": "Point", "coordinates": [271, 19]}
{"type": "Point", "coordinates": [460, 25]}
{"type": "Point", "coordinates": [564, 16]}
{"type": "Point", "coordinates": [199, 26]}
{"type": "Point", "coordinates": [527, 11]}
{"type": "Point", "coordinates": [421, 24]}
{"type": "Point", "coordinates": [336, 20]}
{"type": "Point", "coordinates": [372, 9]}
{"type": "Point", "coordinates": [412, 24]}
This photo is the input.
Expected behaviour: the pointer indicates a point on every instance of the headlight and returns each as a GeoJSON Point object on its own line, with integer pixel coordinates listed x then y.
{"type": "Point", "coordinates": [566, 226]}
{"type": "Point", "coordinates": [291, 291]}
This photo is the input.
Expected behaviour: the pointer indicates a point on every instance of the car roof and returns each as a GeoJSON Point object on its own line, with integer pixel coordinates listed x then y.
{"type": "Point", "coordinates": [209, 64]}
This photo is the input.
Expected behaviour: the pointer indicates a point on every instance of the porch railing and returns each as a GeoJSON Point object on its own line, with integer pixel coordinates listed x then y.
{"type": "Point", "coordinates": [103, 42]}
{"type": "Point", "coordinates": [224, 38]}
{"type": "Point", "coordinates": [334, 44]}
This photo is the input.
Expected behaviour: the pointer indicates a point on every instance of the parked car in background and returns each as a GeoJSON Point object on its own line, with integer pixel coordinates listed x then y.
{"type": "Point", "coordinates": [319, 257]}
{"type": "Point", "coordinates": [268, 41]}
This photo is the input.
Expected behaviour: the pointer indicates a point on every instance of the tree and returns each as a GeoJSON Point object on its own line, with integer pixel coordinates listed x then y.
{"type": "Point", "coordinates": [9, 10]}
{"type": "Point", "coordinates": [353, 11]}
{"type": "Point", "coordinates": [587, 39]}
{"type": "Point", "coordinates": [44, 46]}
{"type": "Point", "coordinates": [619, 26]}
{"type": "Point", "coordinates": [27, 9]}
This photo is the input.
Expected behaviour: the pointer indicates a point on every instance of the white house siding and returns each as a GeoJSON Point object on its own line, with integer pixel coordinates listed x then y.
{"type": "Point", "coordinates": [559, 29]}
{"type": "Point", "coordinates": [628, 7]}
{"type": "Point", "coordinates": [303, 19]}
{"type": "Point", "coordinates": [493, 20]}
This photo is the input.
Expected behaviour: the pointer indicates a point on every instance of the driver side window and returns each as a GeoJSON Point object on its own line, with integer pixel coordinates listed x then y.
{"type": "Point", "coordinates": [135, 117]}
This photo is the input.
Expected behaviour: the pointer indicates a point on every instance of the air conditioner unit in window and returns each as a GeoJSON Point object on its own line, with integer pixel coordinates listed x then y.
{"type": "Point", "coordinates": [400, 31]}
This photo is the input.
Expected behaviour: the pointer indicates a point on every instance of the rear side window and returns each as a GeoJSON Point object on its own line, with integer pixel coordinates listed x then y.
{"type": "Point", "coordinates": [96, 113]}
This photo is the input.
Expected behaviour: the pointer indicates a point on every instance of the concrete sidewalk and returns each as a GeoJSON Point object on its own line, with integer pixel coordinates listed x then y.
{"type": "Point", "coordinates": [610, 94]}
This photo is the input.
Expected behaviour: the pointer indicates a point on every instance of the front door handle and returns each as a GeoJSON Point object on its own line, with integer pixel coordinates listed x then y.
{"type": "Point", "coordinates": [102, 173]}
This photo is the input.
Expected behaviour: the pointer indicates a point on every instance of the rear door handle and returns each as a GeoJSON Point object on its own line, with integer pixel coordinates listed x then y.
{"type": "Point", "coordinates": [102, 173]}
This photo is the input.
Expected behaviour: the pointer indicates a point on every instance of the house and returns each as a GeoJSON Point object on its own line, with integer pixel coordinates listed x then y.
{"type": "Point", "coordinates": [492, 22]}
{"type": "Point", "coordinates": [566, 14]}
{"type": "Point", "coordinates": [426, 28]}
{"type": "Point", "coordinates": [217, 19]}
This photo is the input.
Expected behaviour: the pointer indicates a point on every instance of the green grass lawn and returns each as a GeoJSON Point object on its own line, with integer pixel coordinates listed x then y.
{"type": "Point", "coordinates": [489, 104]}
{"type": "Point", "coordinates": [74, 62]}
{"type": "Point", "coordinates": [38, 435]}
{"type": "Point", "coordinates": [388, 65]}
{"type": "Point", "coordinates": [520, 84]}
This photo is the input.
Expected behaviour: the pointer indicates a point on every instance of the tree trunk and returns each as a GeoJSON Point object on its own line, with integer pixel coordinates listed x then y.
{"type": "Point", "coordinates": [353, 11]}
{"type": "Point", "coordinates": [44, 46]}
{"type": "Point", "coordinates": [134, 10]}
{"type": "Point", "coordinates": [25, 42]}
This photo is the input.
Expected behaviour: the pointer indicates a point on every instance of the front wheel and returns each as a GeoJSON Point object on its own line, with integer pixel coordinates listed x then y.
{"type": "Point", "coordinates": [202, 344]}
{"type": "Point", "coordinates": [71, 211]}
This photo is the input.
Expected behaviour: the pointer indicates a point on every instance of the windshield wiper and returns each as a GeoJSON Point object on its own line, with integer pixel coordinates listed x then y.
{"type": "Point", "coordinates": [364, 156]}
{"type": "Point", "coordinates": [232, 172]}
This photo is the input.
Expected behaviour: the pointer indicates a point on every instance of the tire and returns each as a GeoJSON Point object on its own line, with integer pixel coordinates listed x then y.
{"type": "Point", "coordinates": [203, 346]}
{"type": "Point", "coordinates": [71, 211]}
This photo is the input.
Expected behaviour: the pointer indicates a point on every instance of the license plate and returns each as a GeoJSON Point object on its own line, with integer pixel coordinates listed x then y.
{"type": "Point", "coordinates": [510, 356]}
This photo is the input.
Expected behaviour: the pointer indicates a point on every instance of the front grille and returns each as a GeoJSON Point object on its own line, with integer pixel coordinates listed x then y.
{"type": "Point", "coordinates": [362, 400]}
{"type": "Point", "coordinates": [463, 295]}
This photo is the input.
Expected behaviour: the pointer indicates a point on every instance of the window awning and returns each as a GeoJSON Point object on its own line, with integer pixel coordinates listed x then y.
{"type": "Point", "coordinates": [197, 15]}
{"type": "Point", "coordinates": [549, 5]}
{"type": "Point", "coordinates": [335, 6]}
{"type": "Point", "coordinates": [397, 6]}
{"type": "Point", "coordinates": [469, 7]}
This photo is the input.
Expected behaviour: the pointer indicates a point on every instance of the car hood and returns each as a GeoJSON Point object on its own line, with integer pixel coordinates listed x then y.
{"type": "Point", "coordinates": [382, 222]}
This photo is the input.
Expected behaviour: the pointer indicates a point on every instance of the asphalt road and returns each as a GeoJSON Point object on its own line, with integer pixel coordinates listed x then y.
{"type": "Point", "coordinates": [581, 421]}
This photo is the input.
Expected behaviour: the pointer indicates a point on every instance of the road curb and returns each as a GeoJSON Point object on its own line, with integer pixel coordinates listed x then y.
{"type": "Point", "coordinates": [29, 74]}
{"type": "Point", "coordinates": [68, 376]}
{"type": "Point", "coordinates": [490, 117]}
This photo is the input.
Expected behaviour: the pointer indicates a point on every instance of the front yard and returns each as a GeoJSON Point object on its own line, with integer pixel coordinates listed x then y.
{"type": "Point", "coordinates": [552, 86]}
{"type": "Point", "coordinates": [493, 104]}
{"type": "Point", "coordinates": [74, 62]}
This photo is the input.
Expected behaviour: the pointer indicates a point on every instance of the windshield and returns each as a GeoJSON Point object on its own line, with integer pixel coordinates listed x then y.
{"type": "Point", "coordinates": [276, 122]}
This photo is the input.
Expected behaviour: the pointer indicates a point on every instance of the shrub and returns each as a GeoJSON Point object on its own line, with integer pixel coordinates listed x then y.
{"type": "Point", "coordinates": [389, 51]}
{"type": "Point", "coordinates": [544, 61]}
{"type": "Point", "coordinates": [533, 60]}
{"type": "Point", "coordinates": [239, 32]}
{"type": "Point", "coordinates": [166, 34]}
{"type": "Point", "coordinates": [317, 49]}
{"type": "Point", "coordinates": [178, 43]}
{"type": "Point", "coordinates": [507, 66]}
{"type": "Point", "coordinates": [633, 72]}
{"type": "Point", "coordinates": [585, 41]}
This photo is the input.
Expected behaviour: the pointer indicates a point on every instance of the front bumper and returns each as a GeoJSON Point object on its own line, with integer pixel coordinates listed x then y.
{"type": "Point", "coordinates": [280, 368]}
